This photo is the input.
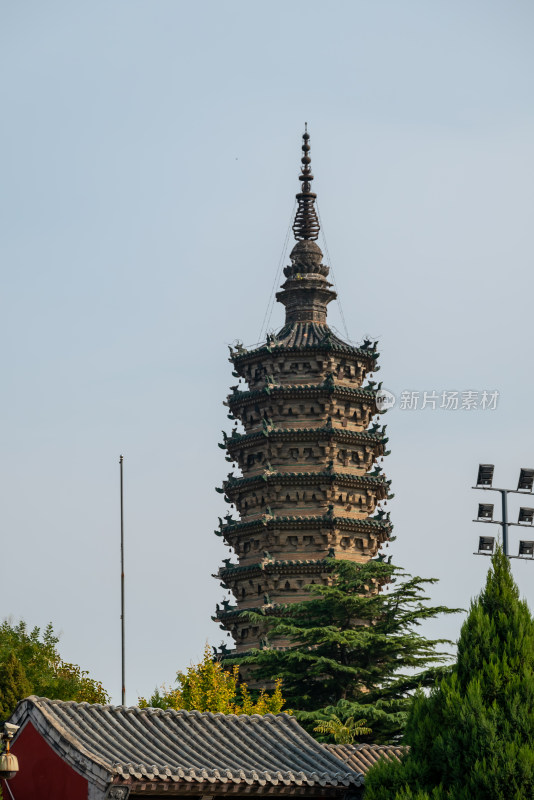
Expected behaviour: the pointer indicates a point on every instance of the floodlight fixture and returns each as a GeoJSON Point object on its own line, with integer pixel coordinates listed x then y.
{"type": "Point", "coordinates": [526, 480]}
{"type": "Point", "coordinates": [526, 515]}
{"type": "Point", "coordinates": [526, 549]}
{"type": "Point", "coordinates": [485, 474]}
{"type": "Point", "coordinates": [485, 511]}
{"type": "Point", "coordinates": [525, 485]}
{"type": "Point", "coordinates": [486, 544]}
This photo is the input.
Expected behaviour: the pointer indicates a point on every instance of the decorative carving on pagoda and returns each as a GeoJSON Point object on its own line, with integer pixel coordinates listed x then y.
{"type": "Point", "coordinates": [307, 481]}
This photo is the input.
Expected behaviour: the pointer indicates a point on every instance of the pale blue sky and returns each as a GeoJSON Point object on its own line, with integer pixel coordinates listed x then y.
{"type": "Point", "coordinates": [150, 153]}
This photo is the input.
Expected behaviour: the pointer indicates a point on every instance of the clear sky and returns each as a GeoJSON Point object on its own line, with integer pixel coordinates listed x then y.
{"type": "Point", "coordinates": [150, 152]}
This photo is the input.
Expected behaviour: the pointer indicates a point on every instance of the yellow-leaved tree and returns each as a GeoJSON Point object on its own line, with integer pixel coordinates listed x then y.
{"type": "Point", "coordinates": [209, 687]}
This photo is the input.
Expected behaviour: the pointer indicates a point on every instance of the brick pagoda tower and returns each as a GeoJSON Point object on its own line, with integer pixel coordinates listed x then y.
{"type": "Point", "coordinates": [309, 483]}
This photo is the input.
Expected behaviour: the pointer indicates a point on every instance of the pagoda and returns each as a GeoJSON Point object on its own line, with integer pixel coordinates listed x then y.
{"type": "Point", "coordinates": [309, 486]}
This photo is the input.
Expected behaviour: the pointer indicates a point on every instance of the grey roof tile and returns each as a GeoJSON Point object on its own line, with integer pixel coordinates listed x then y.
{"type": "Point", "coordinates": [361, 757]}
{"type": "Point", "coordinates": [298, 335]}
{"type": "Point", "coordinates": [174, 746]}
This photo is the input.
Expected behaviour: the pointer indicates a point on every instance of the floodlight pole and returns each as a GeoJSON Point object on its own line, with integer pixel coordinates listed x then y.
{"type": "Point", "coordinates": [504, 506]}
{"type": "Point", "coordinates": [504, 500]}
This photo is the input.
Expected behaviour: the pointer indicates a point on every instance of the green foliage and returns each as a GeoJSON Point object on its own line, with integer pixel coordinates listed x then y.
{"type": "Point", "coordinates": [209, 687]}
{"type": "Point", "coordinates": [472, 738]}
{"type": "Point", "coordinates": [342, 732]}
{"type": "Point", "coordinates": [13, 683]}
{"type": "Point", "coordinates": [354, 650]}
{"type": "Point", "coordinates": [30, 664]}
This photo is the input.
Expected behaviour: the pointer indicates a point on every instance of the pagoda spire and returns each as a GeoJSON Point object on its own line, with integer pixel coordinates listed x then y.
{"type": "Point", "coordinates": [306, 224]}
{"type": "Point", "coordinates": [306, 292]}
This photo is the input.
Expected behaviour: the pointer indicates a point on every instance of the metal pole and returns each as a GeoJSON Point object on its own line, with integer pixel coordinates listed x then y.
{"type": "Point", "coordinates": [9, 789]}
{"type": "Point", "coordinates": [123, 679]}
{"type": "Point", "coordinates": [504, 522]}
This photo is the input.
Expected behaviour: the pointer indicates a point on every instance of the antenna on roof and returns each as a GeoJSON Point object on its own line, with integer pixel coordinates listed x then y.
{"type": "Point", "coordinates": [123, 679]}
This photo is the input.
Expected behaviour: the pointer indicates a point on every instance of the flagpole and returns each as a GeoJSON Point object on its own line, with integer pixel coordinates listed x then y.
{"type": "Point", "coordinates": [123, 679]}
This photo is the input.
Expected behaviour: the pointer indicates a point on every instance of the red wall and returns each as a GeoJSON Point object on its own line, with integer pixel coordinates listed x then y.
{"type": "Point", "coordinates": [42, 775]}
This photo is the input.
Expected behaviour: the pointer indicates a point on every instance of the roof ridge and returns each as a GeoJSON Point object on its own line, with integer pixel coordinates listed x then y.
{"type": "Point", "coordinates": [38, 700]}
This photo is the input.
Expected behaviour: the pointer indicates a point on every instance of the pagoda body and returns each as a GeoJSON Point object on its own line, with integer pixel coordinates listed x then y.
{"type": "Point", "coordinates": [309, 484]}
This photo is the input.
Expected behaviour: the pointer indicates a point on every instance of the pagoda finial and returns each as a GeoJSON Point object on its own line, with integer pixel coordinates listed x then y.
{"type": "Point", "coordinates": [306, 225]}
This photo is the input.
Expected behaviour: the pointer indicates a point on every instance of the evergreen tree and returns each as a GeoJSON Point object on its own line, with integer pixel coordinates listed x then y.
{"type": "Point", "coordinates": [13, 685]}
{"type": "Point", "coordinates": [473, 737]}
{"type": "Point", "coordinates": [353, 647]}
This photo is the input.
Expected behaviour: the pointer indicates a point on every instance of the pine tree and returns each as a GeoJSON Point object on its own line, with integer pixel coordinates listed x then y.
{"type": "Point", "coordinates": [13, 685]}
{"type": "Point", "coordinates": [473, 737]}
{"type": "Point", "coordinates": [354, 651]}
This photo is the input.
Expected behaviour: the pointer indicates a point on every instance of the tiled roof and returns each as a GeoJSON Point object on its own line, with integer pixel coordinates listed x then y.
{"type": "Point", "coordinates": [362, 437]}
{"type": "Point", "coordinates": [290, 389]}
{"type": "Point", "coordinates": [323, 520]}
{"type": "Point", "coordinates": [299, 335]}
{"type": "Point", "coordinates": [234, 611]}
{"type": "Point", "coordinates": [320, 476]}
{"type": "Point", "coordinates": [309, 334]}
{"type": "Point", "coordinates": [181, 746]}
{"type": "Point", "coordinates": [273, 565]}
{"type": "Point", "coordinates": [361, 757]}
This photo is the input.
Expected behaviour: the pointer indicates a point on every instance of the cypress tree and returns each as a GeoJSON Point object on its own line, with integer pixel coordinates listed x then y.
{"type": "Point", "coordinates": [472, 738]}
{"type": "Point", "coordinates": [354, 650]}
